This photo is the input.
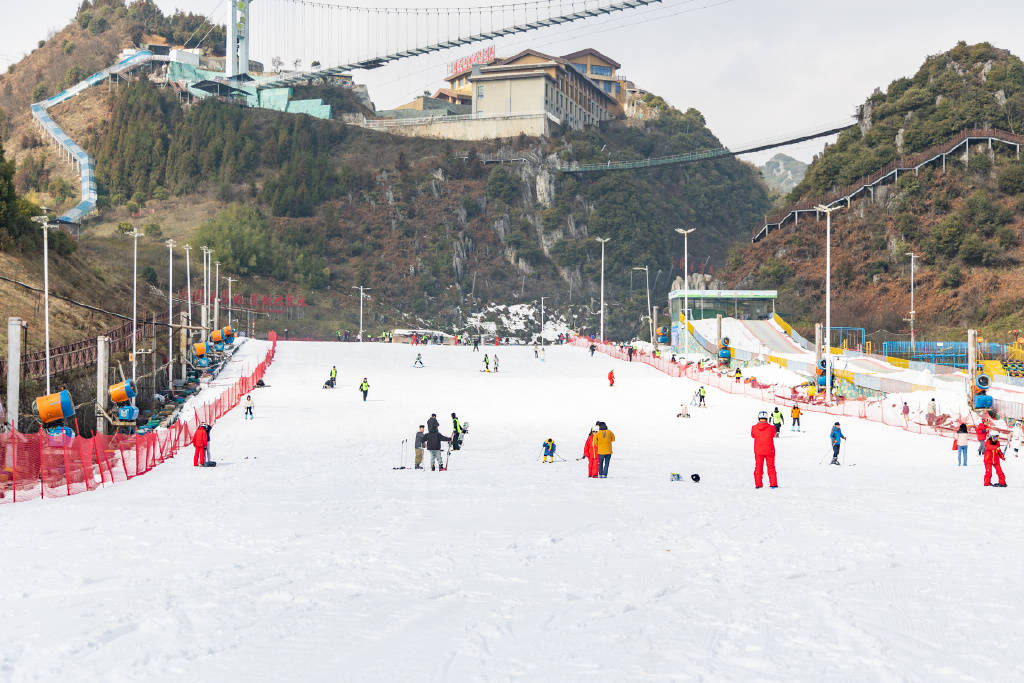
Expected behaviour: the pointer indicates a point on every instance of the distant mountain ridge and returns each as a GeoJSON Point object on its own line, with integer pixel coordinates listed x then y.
{"type": "Point", "coordinates": [782, 172]}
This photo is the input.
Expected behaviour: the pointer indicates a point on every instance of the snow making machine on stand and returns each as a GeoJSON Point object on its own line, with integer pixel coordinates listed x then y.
{"type": "Point", "coordinates": [53, 410]}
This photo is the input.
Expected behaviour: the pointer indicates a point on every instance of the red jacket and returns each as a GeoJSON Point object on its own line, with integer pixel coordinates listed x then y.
{"type": "Point", "coordinates": [611, 374]}
{"type": "Point", "coordinates": [589, 451]}
{"type": "Point", "coordinates": [993, 453]}
{"type": "Point", "coordinates": [982, 431]}
{"type": "Point", "coordinates": [199, 439]}
{"type": "Point", "coordinates": [764, 438]}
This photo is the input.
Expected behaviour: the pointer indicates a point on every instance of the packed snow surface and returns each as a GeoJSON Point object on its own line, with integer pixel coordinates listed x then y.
{"type": "Point", "coordinates": [304, 556]}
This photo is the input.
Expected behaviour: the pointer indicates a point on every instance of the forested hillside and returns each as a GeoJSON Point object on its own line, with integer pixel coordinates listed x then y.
{"type": "Point", "coordinates": [965, 224]}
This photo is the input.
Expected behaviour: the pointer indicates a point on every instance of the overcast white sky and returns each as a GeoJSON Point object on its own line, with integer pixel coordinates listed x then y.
{"type": "Point", "coordinates": [756, 69]}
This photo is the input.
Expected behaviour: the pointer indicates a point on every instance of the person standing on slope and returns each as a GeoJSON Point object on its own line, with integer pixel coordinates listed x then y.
{"type": "Point", "coordinates": [457, 432]}
{"type": "Point", "coordinates": [701, 395]}
{"type": "Point", "coordinates": [603, 440]}
{"type": "Point", "coordinates": [764, 451]}
{"type": "Point", "coordinates": [495, 362]}
{"type": "Point", "coordinates": [777, 420]}
{"type": "Point", "coordinates": [593, 347]}
{"type": "Point", "coordinates": [487, 363]}
{"type": "Point", "coordinates": [364, 387]}
{"type": "Point", "coordinates": [981, 431]}
{"type": "Point", "coordinates": [419, 442]}
{"type": "Point", "coordinates": [432, 423]}
{"type": "Point", "coordinates": [590, 453]}
{"type": "Point", "coordinates": [418, 363]}
{"type": "Point", "coordinates": [794, 418]}
{"type": "Point", "coordinates": [836, 437]}
{"type": "Point", "coordinates": [334, 376]}
{"type": "Point", "coordinates": [906, 414]}
{"type": "Point", "coordinates": [993, 454]}
{"type": "Point", "coordinates": [549, 450]}
{"type": "Point", "coordinates": [433, 440]}
{"type": "Point", "coordinates": [476, 343]}
{"type": "Point", "coordinates": [960, 442]}
{"type": "Point", "coordinates": [248, 408]}
{"type": "Point", "coordinates": [611, 378]}
{"type": "Point", "coordinates": [1016, 435]}
{"type": "Point", "coordinates": [932, 415]}
{"type": "Point", "coordinates": [200, 440]}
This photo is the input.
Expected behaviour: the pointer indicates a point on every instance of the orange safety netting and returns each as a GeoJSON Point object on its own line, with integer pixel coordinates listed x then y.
{"type": "Point", "coordinates": [46, 466]}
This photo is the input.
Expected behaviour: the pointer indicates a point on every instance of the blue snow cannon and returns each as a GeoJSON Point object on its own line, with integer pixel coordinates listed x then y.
{"type": "Point", "coordinates": [723, 349]}
{"type": "Point", "coordinates": [128, 413]}
{"type": "Point", "coordinates": [982, 402]}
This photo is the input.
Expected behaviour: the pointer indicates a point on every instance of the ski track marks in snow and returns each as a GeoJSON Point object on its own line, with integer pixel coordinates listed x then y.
{"type": "Point", "coordinates": [314, 560]}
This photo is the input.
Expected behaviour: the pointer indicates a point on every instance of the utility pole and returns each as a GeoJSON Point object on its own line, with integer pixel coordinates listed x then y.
{"type": "Point", "coordinates": [828, 299]}
{"type": "Point", "coordinates": [602, 240]}
{"type": "Point", "coordinates": [216, 297]}
{"type": "Point", "coordinates": [686, 285]}
{"type": "Point", "coordinates": [361, 295]}
{"type": "Point", "coordinates": [135, 235]}
{"type": "Point", "coordinates": [650, 317]}
{"type": "Point", "coordinates": [542, 320]}
{"type": "Point", "coordinates": [204, 311]}
{"type": "Point", "coordinates": [913, 312]}
{"type": "Point", "coordinates": [44, 222]}
{"type": "Point", "coordinates": [188, 281]}
{"type": "Point", "coordinates": [230, 280]}
{"type": "Point", "coordinates": [170, 314]}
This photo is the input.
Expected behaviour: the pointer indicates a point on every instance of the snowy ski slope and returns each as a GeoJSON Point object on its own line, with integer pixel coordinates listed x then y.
{"type": "Point", "coordinates": [305, 557]}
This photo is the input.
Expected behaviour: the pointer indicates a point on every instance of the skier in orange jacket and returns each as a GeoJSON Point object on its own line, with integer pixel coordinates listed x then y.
{"type": "Point", "coordinates": [611, 378]}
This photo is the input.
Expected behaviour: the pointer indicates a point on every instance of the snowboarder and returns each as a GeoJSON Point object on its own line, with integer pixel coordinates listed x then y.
{"type": "Point", "coordinates": [419, 441]}
{"type": "Point", "coordinates": [364, 387]}
{"type": "Point", "coordinates": [487, 363]}
{"type": "Point", "coordinates": [932, 413]}
{"type": "Point", "coordinates": [495, 362]}
{"type": "Point", "coordinates": [764, 451]}
{"type": "Point", "coordinates": [200, 440]}
{"type": "Point", "coordinates": [433, 441]}
{"type": "Point", "coordinates": [593, 347]}
{"type": "Point", "coordinates": [611, 378]}
{"type": "Point", "coordinates": [777, 420]}
{"type": "Point", "coordinates": [603, 439]}
{"type": "Point", "coordinates": [549, 450]}
{"type": "Point", "coordinates": [701, 395]}
{"type": "Point", "coordinates": [981, 431]}
{"type": "Point", "coordinates": [248, 408]}
{"type": "Point", "coordinates": [590, 453]}
{"type": "Point", "coordinates": [457, 432]}
{"type": "Point", "coordinates": [418, 363]}
{"type": "Point", "coordinates": [993, 454]}
{"type": "Point", "coordinates": [960, 442]}
{"type": "Point", "coordinates": [794, 418]}
{"type": "Point", "coordinates": [1016, 435]}
{"type": "Point", "coordinates": [836, 437]}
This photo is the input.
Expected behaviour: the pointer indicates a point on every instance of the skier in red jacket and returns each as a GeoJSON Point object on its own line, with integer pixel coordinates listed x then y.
{"type": "Point", "coordinates": [590, 453]}
{"type": "Point", "coordinates": [993, 454]}
{"type": "Point", "coordinates": [611, 378]}
{"type": "Point", "coordinates": [981, 430]}
{"type": "Point", "coordinates": [764, 450]}
{"type": "Point", "coordinates": [199, 440]}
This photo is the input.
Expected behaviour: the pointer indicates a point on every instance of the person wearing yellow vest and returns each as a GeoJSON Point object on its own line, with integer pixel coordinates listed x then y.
{"type": "Point", "coordinates": [364, 387]}
{"type": "Point", "coordinates": [794, 414]}
{"type": "Point", "coordinates": [603, 439]}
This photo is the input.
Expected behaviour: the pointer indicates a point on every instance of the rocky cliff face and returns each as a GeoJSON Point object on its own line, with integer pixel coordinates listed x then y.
{"type": "Point", "coordinates": [782, 173]}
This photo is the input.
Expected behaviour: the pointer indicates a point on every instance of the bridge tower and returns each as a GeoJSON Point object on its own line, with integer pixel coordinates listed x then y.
{"type": "Point", "coordinates": [236, 55]}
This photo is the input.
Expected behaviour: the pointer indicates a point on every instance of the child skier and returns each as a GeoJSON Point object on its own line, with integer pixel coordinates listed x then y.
{"type": "Point", "coordinates": [418, 363]}
{"type": "Point", "coordinates": [549, 450]}
{"type": "Point", "coordinates": [981, 431]}
{"type": "Point", "coordinates": [794, 418]}
{"type": "Point", "coordinates": [611, 378]}
{"type": "Point", "coordinates": [364, 387]}
{"type": "Point", "coordinates": [590, 453]}
{"type": "Point", "coordinates": [248, 408]}
{"type": "Point", "coordinates": [993, 454]}
{"type": "Point", "coordinates": [836, 436]}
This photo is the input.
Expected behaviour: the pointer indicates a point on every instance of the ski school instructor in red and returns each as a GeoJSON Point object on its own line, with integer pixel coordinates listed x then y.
{"type": "Point", "coordinates": [764, 450]}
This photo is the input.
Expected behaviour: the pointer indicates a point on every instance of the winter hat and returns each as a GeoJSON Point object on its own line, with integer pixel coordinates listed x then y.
{"type": "Point", "coordinates": [763, 415]}
{"type": "Point", "coordinates": [695, 477]}
{"type": "Point", "coordinates": [453, 414]}
{"type": "Point", "coordinates": [993, 437]}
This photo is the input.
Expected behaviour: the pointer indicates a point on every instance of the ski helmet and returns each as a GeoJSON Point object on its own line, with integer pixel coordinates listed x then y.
{"type": "Point", "coordinates": [763, 415]}
{"type": "Point", "coordinates": [695, 477]}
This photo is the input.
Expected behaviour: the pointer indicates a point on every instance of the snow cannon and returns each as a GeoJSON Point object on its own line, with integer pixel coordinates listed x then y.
{"type": "Point", "coordinates": [982, 401]}
{"type": "Point", "coordinates": [199, 349]}
{"type": "Point", "coordinates": [123, 392]}
{"type": "Point", "coordinates": [127, 413]}
{"type": "Point", "coordinates": [983, 382]}
{"type": "Point", "coordinates": [59, 435]}
{"type": "Point", "coordinates": [664, 334]}
{"type": "Point", "coordinates": [225, 335]}
{"type": "Point", "coordinates": [55, 407]}
{"type": "Point", "coordinates": [724, 351]}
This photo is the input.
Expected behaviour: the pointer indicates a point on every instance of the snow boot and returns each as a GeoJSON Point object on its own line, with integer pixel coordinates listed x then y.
{"type": "Point", "coordinates": [835, 461]}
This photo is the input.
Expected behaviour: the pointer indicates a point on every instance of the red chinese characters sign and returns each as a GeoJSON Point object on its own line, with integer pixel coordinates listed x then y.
{"type": "Point", "coordinates": [484, 56]}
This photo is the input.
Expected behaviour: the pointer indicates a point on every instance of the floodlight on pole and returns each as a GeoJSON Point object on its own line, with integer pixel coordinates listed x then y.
{"type": "Point", "coordinates": [602, 240]}
{"type": "Point", "coordinates": [46, 225]}
{"type": "Point", "coordinates": [828, 298]}
{"type": "Point", "coordinates": [361, 295]}
{"type": "Point", "coordinates": [686, 286]}
{"type": "Point", "coordinates": [913, 313]}
{"type": "Point", "coordinates": [650, 318]}
{"type": "Point", "coordinates": [170, 315]}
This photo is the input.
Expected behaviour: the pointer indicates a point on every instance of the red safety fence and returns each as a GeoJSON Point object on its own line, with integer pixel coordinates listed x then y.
{"type": "Point", "coordinates": [872, 410]}
{"type": "Point", "coordinates": [45, 466]}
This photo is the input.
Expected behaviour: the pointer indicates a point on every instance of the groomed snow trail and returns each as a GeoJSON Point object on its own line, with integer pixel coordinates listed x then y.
{"type": "Point", "coordinates": [314, 560]}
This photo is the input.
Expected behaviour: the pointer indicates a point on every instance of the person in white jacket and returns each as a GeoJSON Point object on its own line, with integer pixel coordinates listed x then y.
{"type": "Point", "coordinates": [249, 405]}
{"type": "Point", "coordinates": [1016, 437]}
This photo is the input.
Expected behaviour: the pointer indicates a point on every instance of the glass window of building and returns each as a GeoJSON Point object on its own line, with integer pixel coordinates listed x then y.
{"type": "Point", "coordinates": [582, 68]}
{"type": "Point", "coordinates": [599, 70]}
{"type": "Point", "coordinates": [480, 91]}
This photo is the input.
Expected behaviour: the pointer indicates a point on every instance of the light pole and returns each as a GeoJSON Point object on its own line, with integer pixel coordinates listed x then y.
{"type": "Point", "coordinates": [46, 225]}
{"type": "Point", "coordinates": [204, 312]}
{"type": "Point", "coordinates": [135, 235]}
{"type": "Point", "coordinates": [650, 318]}
{"type": "Point", "coordinates": [686, 286]}
{"type": "Point", "coordinates": [230, 280]}
{"type": "Point", "coordinates": [542, 320]}
{"type": "Point", "coordinates": [828, 299]}
{"type": "Point", "coordinates": [170, 314]}
{"type": "Point", "coordinates": [602, 240]}
{"type": "Point", "coordinates": [216, 296]}
{"type": "Point", "coordinates": [913, 313]}
{"type": "Point", "coordinates": [361, 295]}
{"type": "Point", "coordinates": [188, 282]}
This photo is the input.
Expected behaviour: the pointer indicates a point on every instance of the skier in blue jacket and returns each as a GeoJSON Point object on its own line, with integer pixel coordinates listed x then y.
{"type": "Point", "coordinates": [836, 437]}
{"type": "Point", "coordinates": [549, 450]}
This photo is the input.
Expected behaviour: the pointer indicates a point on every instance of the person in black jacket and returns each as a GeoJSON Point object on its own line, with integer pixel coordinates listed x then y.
{"type": "Point", "coordinates": [432, 423]}
{"type": "Point", "coordinates": [434, 439]}
{"type": "Point", "coordinates": [456, 433]}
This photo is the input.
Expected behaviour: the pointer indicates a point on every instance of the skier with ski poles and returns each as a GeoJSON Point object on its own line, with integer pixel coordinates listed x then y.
{"type": "Point", "coordinates": [794, 418]}
{"type": "Point", "coordinates": [837, 437]}
{"type": "Point", "coordinates": [549, 450]}
{"type": "Point", "coordinates": [764, 451]}
{"type": "Point", "coordinates": [993, 454]}
{"type": "Point", "coordinates": [418, 363]}
{"type": "Point", "coordinates": [593, 347]}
